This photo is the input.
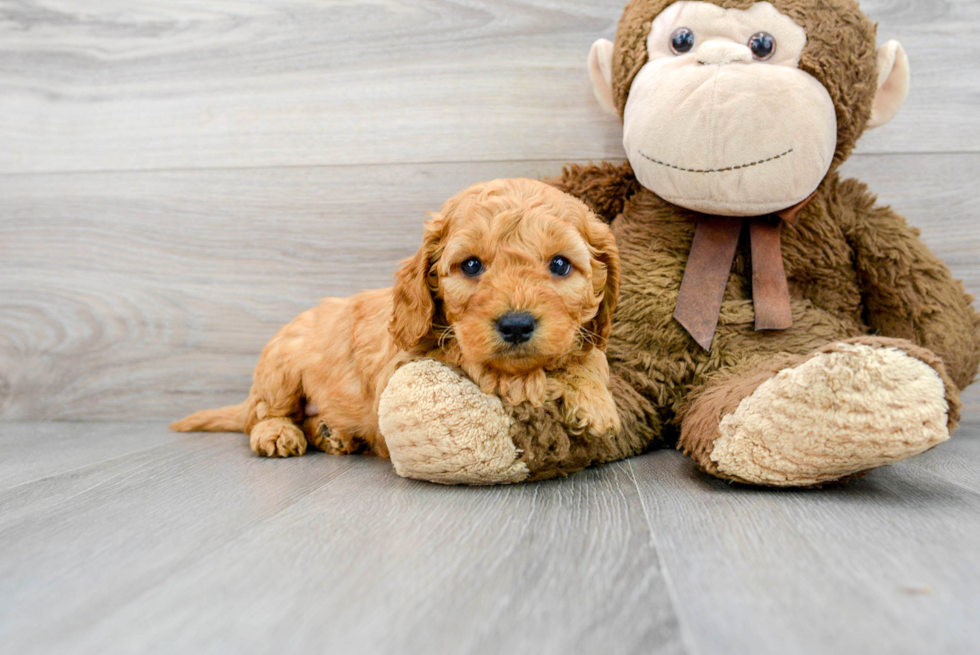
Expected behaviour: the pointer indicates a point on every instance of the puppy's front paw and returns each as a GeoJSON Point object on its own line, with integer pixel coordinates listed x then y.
{"type": "Point", "coordinates": [277, 437]}
{"type": "Point", "coordinates": [602, 415]}
{"type": "Point", "coordinates": [440, 427]}
{"type": "Point", "coordinates": [587, 403]}
{"type": "Point", "coordinates": [590, 411]}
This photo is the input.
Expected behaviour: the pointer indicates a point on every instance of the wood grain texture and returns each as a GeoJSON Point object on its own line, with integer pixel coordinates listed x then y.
{"type": "Point", "coordinates": [191, 544]}
{"type": "Point", "coordinates": [45, 450]}
{"type": "Point", "coordinates": [124, 85]}
{"type": "Point", "coordinates": [150, 294]}
{"type": "Point", "coordinates": [195, 545]}
{"type": "Point", "coordinates": [884, 564]}
{"type": "Point", "coordinates": [146, 294]}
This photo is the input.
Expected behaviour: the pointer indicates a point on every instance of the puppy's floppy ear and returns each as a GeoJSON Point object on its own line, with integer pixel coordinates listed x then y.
{"type": "Point", "coordinates": [412, 296]}
{"type": "Point", "coordinates": [605, 277]}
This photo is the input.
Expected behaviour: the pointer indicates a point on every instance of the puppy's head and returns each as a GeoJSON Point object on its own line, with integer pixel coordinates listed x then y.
{"type": "Point", "coordinates": [515, 273]}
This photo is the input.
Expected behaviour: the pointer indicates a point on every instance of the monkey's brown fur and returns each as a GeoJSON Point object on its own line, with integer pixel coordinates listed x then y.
{"type": "Point", "coordinates": [855, 270]}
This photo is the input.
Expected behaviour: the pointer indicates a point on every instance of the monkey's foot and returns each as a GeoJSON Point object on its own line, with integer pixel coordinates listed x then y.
{"type": "Point", "coordinates": [277, 437]}
{"type": "Point", "coordinates": [850, 408]}
{"type": "Point", "coordinates": [440, 427]}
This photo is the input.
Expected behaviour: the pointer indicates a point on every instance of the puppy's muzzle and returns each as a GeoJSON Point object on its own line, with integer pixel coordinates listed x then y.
{"type": "Point", "coordinates": [516, 327]}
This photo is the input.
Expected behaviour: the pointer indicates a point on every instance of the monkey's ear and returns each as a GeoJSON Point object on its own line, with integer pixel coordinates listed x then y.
{"type": "Point", "coordinates": [893, 83]}
{"type": "Point", "coordinates": [600, 72]}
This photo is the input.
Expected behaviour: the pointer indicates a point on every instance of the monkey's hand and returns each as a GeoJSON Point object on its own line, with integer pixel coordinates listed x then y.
{"type": "Point", "coordinates": [440, 427]}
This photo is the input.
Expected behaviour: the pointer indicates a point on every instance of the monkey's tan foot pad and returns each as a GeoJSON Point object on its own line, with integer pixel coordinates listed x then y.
{"type": "Point", "coordinates": [838, 413]}
{"type": "Point", "coordinates": [440, 427]}
{"type": "Point", "coordinates": [277, 437]}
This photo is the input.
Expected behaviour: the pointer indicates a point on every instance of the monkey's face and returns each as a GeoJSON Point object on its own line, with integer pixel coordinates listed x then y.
{"type": "Point", "coordinates": [721, 119]}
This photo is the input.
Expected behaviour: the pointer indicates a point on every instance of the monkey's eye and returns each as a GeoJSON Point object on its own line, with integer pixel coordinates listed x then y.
{"type": "Point", "coordinates": [471, 267]}
{"type": "Point", "coordinates": [762, 45]}
{"type": "Point", "coordinates": [560, 266]}
{"type": "Point", "coordinates": [681, 41]}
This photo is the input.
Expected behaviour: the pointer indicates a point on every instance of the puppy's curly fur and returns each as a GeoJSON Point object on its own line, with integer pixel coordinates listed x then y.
{"type": "Point", "coordinates": [319, 380]}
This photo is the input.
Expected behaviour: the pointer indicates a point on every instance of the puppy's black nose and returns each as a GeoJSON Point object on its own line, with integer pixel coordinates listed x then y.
{"type": "Point", "coordinates": [516, 327]}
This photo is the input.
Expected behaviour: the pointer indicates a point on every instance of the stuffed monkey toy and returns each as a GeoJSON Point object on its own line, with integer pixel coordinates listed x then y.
{"type": "Point", "coordinates": [774, 322]}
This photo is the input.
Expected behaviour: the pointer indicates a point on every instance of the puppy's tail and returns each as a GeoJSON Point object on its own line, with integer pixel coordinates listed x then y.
{"type": "Point", "coordinates": [225, 419]}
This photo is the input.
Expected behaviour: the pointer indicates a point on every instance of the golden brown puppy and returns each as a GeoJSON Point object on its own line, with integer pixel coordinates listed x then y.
{"type": "Point", "coordinates": [515, 283]}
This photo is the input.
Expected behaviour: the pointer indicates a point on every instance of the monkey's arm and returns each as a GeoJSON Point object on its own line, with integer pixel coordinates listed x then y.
{"type": "Point", "coordinates": [908, 292]}
{"type": "Point", "coordinates": [439, 426]}
{"type": "Point", "coordinates": [550, 449]}
{"type": "Point", "coordinates": [604, 187]}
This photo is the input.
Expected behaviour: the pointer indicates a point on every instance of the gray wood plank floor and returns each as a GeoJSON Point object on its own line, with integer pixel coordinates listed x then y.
{"type": "Point", "coordinates": [145, 541]}
{"type": "Point", "coordinates": [192, 544]}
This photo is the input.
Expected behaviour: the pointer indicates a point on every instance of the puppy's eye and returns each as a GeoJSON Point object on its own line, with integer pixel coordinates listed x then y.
{"type": "Point", "coordinates": [472, 267]}
{"type": "Point", "coordinates": [762, 45]}
{"type": "Point", "coordinates": [681, 41]}
{"type": "Point", "coordinates": [560, 266]}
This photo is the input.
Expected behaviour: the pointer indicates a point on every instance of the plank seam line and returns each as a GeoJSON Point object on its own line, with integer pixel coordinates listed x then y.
{"type": "Point", "coordinates": [193, 169]}
{"type": "Point", "coordinates": [530, 160]}
{"type": "Point", "coordinates": [939, 477]}
{"type": "Point", "coordinates": [110, 460]}
{"type": "Point", "coordinates": [686, 637]}
{"type": "Point", "coordinates": [201, 557]}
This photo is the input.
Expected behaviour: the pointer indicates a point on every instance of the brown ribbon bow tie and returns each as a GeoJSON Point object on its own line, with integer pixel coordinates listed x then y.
{"type": "Point", "coordinates": [710, 263]}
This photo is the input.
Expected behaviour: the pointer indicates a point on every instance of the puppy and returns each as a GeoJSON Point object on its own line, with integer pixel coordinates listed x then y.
{"type": "Point", "coordinates": [515, 284]}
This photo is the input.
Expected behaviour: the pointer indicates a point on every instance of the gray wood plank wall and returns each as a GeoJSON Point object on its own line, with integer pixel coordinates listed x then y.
{"type": "Point", "coordinates": [178, 179]}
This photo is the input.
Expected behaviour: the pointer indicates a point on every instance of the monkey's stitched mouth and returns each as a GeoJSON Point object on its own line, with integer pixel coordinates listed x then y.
{"type": "Point", "coordinates": [716, 170]}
